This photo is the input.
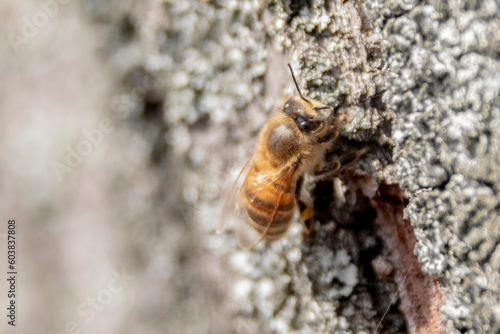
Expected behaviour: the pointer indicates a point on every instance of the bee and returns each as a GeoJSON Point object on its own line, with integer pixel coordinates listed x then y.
{"type": "Point", "coordinates": [293, 142]}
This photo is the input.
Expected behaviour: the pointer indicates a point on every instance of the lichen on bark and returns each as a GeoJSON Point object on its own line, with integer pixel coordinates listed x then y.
{"type": "Point", "coordinates": [434, 132]}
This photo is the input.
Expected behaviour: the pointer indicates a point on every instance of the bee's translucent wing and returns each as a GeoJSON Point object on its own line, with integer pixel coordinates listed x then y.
{"type": "Point", "coordinates": [248, 237]}
{"type": "Point", "coordinates": [234, 200]}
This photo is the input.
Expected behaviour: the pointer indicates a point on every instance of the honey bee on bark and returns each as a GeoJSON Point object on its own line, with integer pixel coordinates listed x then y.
{"type": "Point", "coordinates": [293, 142]}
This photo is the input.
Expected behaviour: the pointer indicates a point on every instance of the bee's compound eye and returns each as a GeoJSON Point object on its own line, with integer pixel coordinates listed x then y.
{"type": "Point", "coordinates": [287, 108]}
{"type": "Point", "coordinates": [307, 126]}
{"type": "Point", "coordinates": [291, 107]}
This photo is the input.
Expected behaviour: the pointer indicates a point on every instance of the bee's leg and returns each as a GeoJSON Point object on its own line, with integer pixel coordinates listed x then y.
{"type": "Point", "coordinates": [346, 160]}
{"type": "Point", "coordinates": [335, 130]}
{"type": "Point", "coordinates": [330, 169]}
{"type": "Point", "coordinates": [306, 211]}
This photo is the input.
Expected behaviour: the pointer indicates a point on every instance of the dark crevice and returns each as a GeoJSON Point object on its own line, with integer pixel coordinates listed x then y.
{"type": "Point", "coordinates": [298, 8]}
{"type": "Point", "coordinates": [127, 29]}
{"type": "Point", "coordinates": [371, 228]}
{"type": "Point", "coordinates": [146, 103]}
{"type": "Point", "coordinates": [355, 232]}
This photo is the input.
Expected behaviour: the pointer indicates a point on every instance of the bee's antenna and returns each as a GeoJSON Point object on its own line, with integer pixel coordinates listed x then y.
{"type": "Point", "coordinates": [297, 85]}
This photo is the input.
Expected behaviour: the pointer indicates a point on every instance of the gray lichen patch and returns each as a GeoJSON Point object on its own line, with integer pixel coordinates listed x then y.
{"type": "Point", "coordinates": [457, 227]}
{"type": "Point", "coordinates": [277, 285]}
{"type": "Point", "coordinates": [338, 58]}
{"type": "Point", "coordinates": [443, 67]}
{"type": "Point", "coordinates": [212, 60]}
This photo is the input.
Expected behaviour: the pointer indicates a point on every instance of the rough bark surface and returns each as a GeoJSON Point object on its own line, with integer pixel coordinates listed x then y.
{"type": "Point", "coordinates": [405, 241]}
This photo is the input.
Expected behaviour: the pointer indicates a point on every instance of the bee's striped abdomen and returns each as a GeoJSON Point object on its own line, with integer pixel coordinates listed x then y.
{"type": "Point", "coordinates": [269, 201]}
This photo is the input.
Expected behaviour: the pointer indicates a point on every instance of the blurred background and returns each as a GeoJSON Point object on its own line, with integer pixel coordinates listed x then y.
{"type": "Point", "coordinates": [95, 175]}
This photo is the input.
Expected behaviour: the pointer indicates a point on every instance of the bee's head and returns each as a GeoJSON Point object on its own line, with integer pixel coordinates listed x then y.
{"type": "Point", "coordinates": [309, 115]}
